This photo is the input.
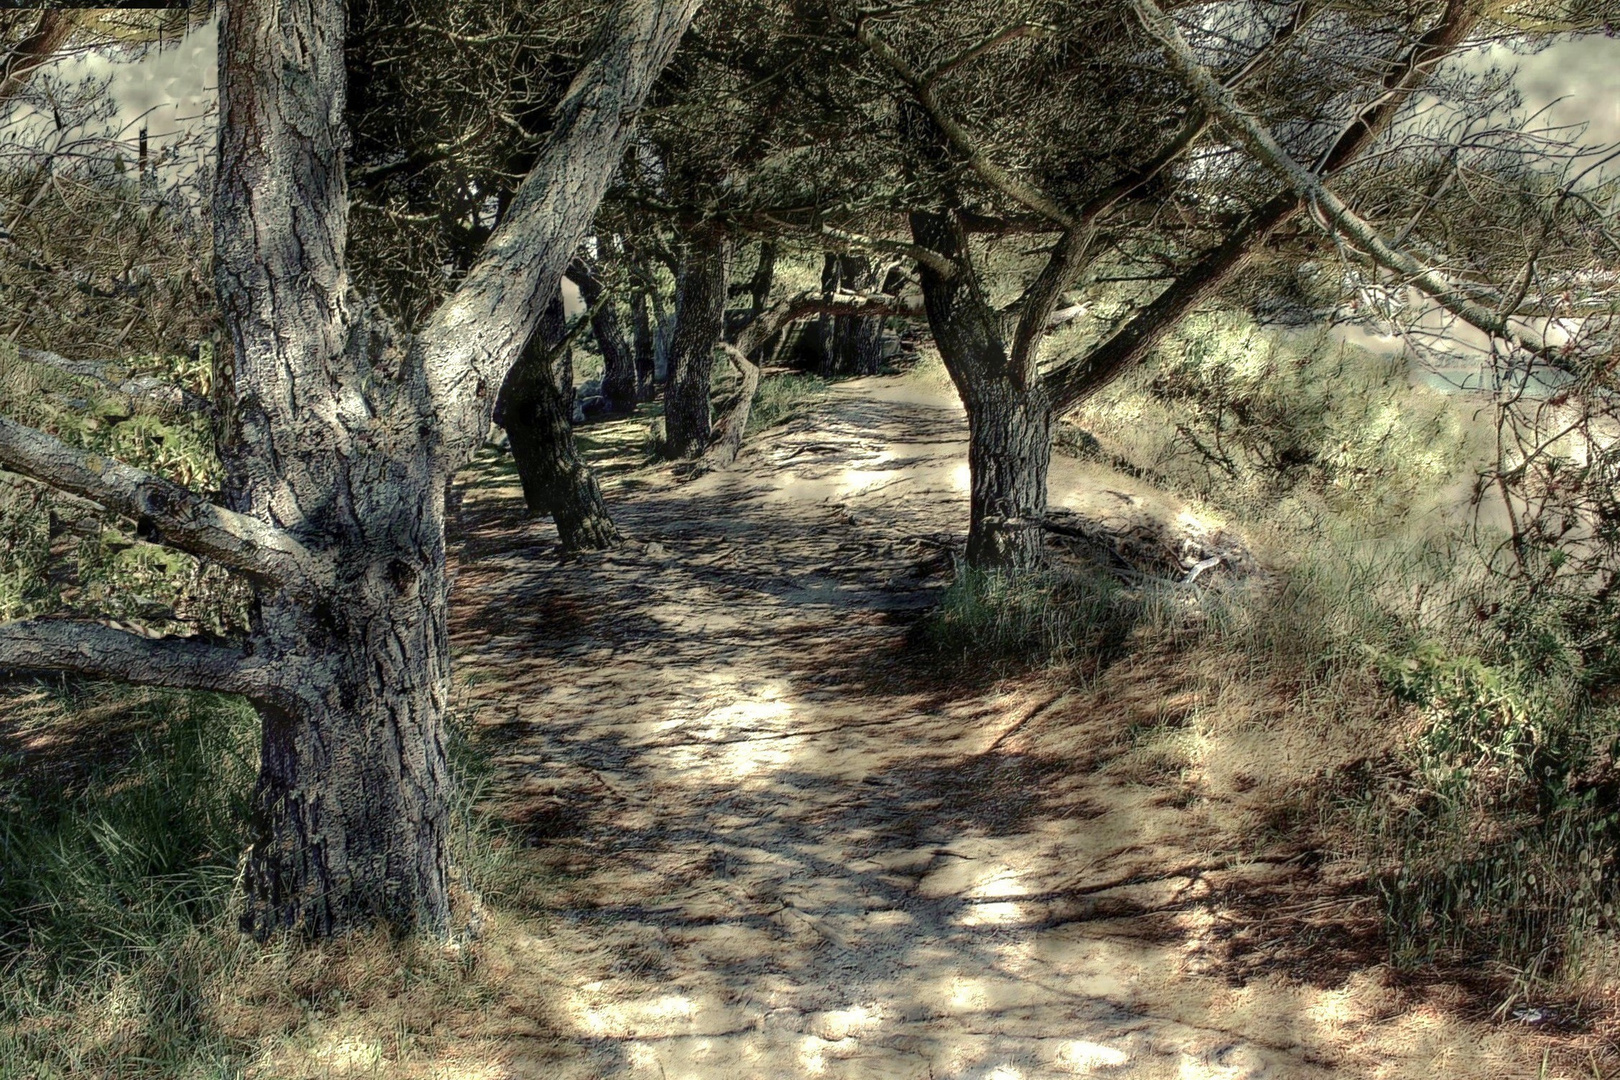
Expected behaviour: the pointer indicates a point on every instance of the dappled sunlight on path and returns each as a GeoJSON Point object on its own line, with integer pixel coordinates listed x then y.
{"type": "Point", "coordinates": [780, 852]}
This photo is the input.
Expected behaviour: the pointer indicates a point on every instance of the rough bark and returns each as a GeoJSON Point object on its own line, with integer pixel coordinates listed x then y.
{"type": "Point", "coordinates": [350, 812]}
{"type": "Point", "coordinates": [700, 310]}
{"type": "Point", "coordinates": [535, 413]}
{"type": "Point", "coordinates": [336, 478]}
{"type": "Point", "coordinates": [1009, 453]}
{"type": "Point", "coordinates": [620, 385]}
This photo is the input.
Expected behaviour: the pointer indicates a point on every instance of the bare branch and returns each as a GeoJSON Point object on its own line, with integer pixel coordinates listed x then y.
{"type": "Point", "coordinates": [992, 173]}
{"type": "Point", "coordinates": [170, 513]}
{"type": "Point", "coordinates": [102, 652]}
{"type": "Point", "coordinates": [1332, 214]}
{"type": "Point", "coordinates": [973, 52]}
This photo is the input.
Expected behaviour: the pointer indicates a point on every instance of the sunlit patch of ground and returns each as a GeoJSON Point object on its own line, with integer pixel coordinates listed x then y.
{"type": "Point", "coordinates": [764, 845]}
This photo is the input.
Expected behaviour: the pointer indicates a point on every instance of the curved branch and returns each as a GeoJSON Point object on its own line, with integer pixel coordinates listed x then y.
{"type": "Point", "coordinates": [170, 513]}
{"type": "Point", "coordinates": [993, 174]}
{"type": "Point", "coordinates": [727, 435]}
{"type": "Point", "coordinates": [1334, 216]}
{"type": "Point", "coordinates": [102, 652]}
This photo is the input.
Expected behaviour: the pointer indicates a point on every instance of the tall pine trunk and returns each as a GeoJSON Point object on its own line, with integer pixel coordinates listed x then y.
{"type": "Point", "coordinates": [536, 415]}
{"type": "Point", "coordinates": [641, 333]}
{"type": "Point", "coordinates": [700, 311]}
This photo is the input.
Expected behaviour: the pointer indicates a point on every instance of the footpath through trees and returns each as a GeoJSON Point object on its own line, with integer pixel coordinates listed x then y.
{"type": "Point", "coordinates": [771, 844]}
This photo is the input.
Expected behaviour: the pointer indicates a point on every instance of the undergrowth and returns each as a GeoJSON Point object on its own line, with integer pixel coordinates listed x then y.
{"type": "Point", "coordinates": [785, 397]}
{"type": "Point", "coordinates": [125, 815]}
{"type": "Point", "coordinates": [1388, 693]}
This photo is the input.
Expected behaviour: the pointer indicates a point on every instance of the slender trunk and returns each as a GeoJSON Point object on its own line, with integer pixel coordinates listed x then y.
{"type": "Point", "coordinates": [619, 383]}
{"type": "Point", "coordinates": [699, 322]}
{"type": "Point", "coordinates": [1009, 417]}
{"type": "Point", "coordinates": [1009, 452]}
{"type": "Point", "coordinates": [642, 336]}
{"type": "Point", "coordinates": [535, 413]}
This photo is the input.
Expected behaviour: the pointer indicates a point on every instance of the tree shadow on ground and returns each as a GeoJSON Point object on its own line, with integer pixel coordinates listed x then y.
{"type": "Point", "coordinates": [778, 844]}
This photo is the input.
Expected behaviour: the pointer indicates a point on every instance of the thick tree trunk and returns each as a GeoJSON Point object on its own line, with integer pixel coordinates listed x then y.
{"type": "Point", "coordinates": [1009, 452]}
{"type": "Point", "coordinates": [642, 338]}
{"type": "Point", "coordinates": [336, 471]}
{"type": "Point", "coordinates": [535, 413]}
{"type": "Point", "coordinates": [620, 388]}
{"type": "Point", "coordinates": [700, 312]}
{"type": "Point", "coordinates": [350, 819]}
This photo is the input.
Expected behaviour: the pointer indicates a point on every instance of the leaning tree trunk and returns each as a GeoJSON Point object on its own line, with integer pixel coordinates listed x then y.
{"type": "Point", "coordinates": [620, 386]}
{"type": "Point", "coordinates": [535, 413]}
{"type": "Point", "coordinates": [700, 312]}
{"type": "Point", "coordinates": [1009, 410]}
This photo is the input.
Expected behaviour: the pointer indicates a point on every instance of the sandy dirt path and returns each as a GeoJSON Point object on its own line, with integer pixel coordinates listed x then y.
{"type": "Point", "coordinates": [774, 852]}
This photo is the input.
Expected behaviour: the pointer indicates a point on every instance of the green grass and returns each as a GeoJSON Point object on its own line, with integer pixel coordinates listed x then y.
{"type": "Point", "coordinates": [116, 889]}
{"type": "Point", "coordinates": [782, 398]}
{"type": "Point", "coordinates": [125, 816]}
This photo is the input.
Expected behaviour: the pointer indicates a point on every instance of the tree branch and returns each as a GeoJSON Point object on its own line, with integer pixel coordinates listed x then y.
{"type": "Point", "coordinates": [1074, 379]}
{"type": "Point", "coordinates": [1334, 215]}
{"type": "Point", "coordinates": [171, 514]}
{"type": "Point", "coordinates": [726, 438]}
{"type": "Point", "coordinates": [38, 48]}
{"type": "Point", "coordinates": [475, 336]}
{"type": "Point", "coordinates": [101, 652]}
{"type": "Point", "coordinates": [993, 174]}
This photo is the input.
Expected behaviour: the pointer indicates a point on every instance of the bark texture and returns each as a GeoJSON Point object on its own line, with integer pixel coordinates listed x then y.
{"type": "Point", "coordinates": [535, 413]}
{"type": "Point", "coordinates": [700, 311]}
{"type": "Point", "coordinates": [336, 472]}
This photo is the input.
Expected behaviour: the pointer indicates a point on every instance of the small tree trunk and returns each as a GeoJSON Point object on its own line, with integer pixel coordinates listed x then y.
{"type": "Point", "coordinates": [619, 386]}
{"type": "Point", "coordinates": [849, 344]}
{"type": "Point", "coordinates": [535, 413]}
{"type": "Point", "coordinates": [700, 311]}
{"type": "Point", "coordinates": [1009, 453]}
{"type": "Point", "coordinates": [642, 336]}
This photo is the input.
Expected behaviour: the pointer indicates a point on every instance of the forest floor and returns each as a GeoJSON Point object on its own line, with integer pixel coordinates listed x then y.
{"type": "Point", "coordinates": [767, 841]}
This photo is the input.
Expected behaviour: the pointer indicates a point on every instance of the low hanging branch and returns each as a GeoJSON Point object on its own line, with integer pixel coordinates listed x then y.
{"type": "Point", "coordinates": [727, 436]}
{"type": "Point", "coordinates": [1335, 217]}
{"type": "Point", "coordinates": [165, 511]}
{"type": "Point", "coordinates": [102, 652]}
